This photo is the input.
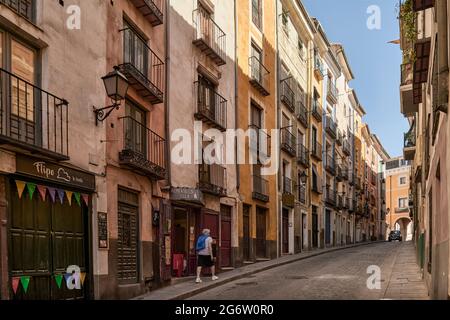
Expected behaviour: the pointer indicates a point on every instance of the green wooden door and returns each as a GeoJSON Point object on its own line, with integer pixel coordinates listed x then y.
{"type": "Point", "coordinates": [45, 239]}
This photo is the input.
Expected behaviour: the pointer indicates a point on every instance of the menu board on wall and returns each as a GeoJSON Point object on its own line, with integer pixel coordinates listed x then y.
{"type": "Point", "coordinates": [102, 222]}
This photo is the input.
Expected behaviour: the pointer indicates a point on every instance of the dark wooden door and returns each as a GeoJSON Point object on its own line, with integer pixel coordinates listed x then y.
{"type": "Point", "coordinates": [315, 230]}
{"type": "Point", "coordinates": [46, 238]}
{"type": "Point", "coordinates": [246, 231]}
{"type": "Point", "coordinates": [327, 227]}
{"type": "Point", "coordinates": [261, 233]}
{"type": "Point", "coordinates": [285, 230]}
{"type": "Point", "coordinates": [225, 236]}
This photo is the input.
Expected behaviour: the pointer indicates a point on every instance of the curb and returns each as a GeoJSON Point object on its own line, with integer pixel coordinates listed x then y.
{"type": "Point", "coordinates": [194, 292]}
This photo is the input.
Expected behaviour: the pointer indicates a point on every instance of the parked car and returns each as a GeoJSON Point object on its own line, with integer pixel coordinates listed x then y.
{"type": "Point", "coordinates": [395, 235]}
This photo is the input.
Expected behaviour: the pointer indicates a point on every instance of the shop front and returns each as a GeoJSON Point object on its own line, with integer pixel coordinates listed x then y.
{"type": "Point", "coordinates": [48, 228]}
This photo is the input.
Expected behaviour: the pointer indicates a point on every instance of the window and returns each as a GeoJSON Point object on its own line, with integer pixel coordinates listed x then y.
{"type": "Point", "coordinates": [402, 181]}
{"type": "Point", "coordinates": [256, 115]}
{"type": "Point", "coordinates": [257, 13]}
{"type": "Point", "coordinates": [315, 179]}
{"type": "Point", "coordinates": [402, 203]}
{"type": "Point", "coordinates": [135, 49]}
{"type": "Point", "coordinates": [301, 46]}
{"type": "Point", "coordinates": [285, 21]}
{"type": "Point", "coordinates": [135, 129]}
{"type": "Point", "coordinates": [256, 69]}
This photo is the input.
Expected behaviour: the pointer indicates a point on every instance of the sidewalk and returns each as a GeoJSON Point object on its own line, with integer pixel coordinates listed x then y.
{"type": "Point", "coordinates": [186, 289]}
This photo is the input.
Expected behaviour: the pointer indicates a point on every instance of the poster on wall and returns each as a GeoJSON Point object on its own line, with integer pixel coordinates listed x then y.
{"type": "Point", "coordinates": [102, 222]}
{"type": "Point", "coordinates": [168, 250]}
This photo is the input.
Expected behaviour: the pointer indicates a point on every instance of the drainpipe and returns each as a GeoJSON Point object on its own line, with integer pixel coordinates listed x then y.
{"type": "Point", "coordinates": [278, 115]}
{"type": "Point", "coordinates": [236, 97]}
{"type": "Point", "coordinates": [442, 36]}
{"type": "Point", "coordinates": [167, 88]}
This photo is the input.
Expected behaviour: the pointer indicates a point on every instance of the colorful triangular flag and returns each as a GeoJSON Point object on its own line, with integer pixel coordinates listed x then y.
{"type": "Point", "coordinates": [69, 196]}
{"type": "Point", "coordinates": [60, 195]}
{"type": "Point", "coordinates": [67, 276]}
{"type": "Point", "coordinates": [58, 279]}
{"type": "Point", "coordinates": [52, 193]}
{"type": "Point", "coordinates": [82, 278]}
{"type": "Point", "coordinates": [42, 191]}
{"type": "Point", "coordinates": [20, 187]}
{"type": "Point", "coordinates": [85, 199]}
{"type": "Point", "coordinates": [25, 281]}
{"type": "Point", "coordinates": [15, 284]}
{"type": "Point", "coordinates": [77, 198]}
{"type": "Point", "coordinates": [31, 187]}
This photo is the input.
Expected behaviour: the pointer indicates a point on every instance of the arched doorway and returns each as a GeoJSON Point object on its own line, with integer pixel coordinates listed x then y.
{"type": "Point", "coordinates": [404, 224]}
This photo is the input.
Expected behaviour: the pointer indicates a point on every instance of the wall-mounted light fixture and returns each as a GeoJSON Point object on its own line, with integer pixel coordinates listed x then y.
{"type": "Point", "coordinates": [116, 85]}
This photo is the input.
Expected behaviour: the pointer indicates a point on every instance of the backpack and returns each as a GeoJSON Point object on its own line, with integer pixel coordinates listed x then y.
{"type": "Point", "coordinates": [201, 243]}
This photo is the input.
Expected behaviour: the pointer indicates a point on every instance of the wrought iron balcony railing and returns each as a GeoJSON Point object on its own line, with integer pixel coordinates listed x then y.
{"type": "Point", "coordinates": [302, 113]}
{"type": "Point", "coordinates": [330, 196]}
{"type": "Point", "coordinates": [332, 91]}
{"type": "Point", "coordinates": [143, 150]}
{"type": "Point", "coordinates": [339, 202]}
{"type": "Point", "coordinates": [260, 188]}
{"type": "Point", "coordinates": [260, 141]}
{"type": "Point", "coordinates": [259, 76]}
{"type": "Point", "coordinates": [209, 37]}
{"type": "Point", "coordinates": [142, 67]}
{"type": "Point", "coordinates": [410, 138]}
{"type": "Point", "coordinates": [32, 119]}
{"type": "Point", "coordinates": [287, 94]}
{"type": "Point", "coordinates": [25, 8]}
{"type": "Point", "coordinates": [213, 179]}
{"type": "Point", "coordinates": [152, 10]}
{"type": "Point", "coordinates": [406, 74]}
{"type": "Point", "coordinates": [339, 174]}
{"type": "Point", "coordinates": [302, 193]}
{"type": "Point", "coordinates": [316, 151]}
{"type": "Point", "coordinates": [288, 142]}
{"type": "Point", "coordinates": [303, 155]}
{"type": "Point", "coordinates": [331, 127]}
{"type": "Point", "coordinates": [317, 110]}
{"type": "Point", "coordinates": [346, 147]}
{"type": "Point", "coordinates": [339, 138]}
{"type": "Point", "coordinates": [319, 69]}
{"type": "Point", "coordinates": [211, 106]}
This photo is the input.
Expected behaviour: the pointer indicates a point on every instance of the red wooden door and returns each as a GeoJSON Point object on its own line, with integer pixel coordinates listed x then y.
{"type": "Point", "coordinates": [225, 236]}
{"type": "Point", "coordinates": [210, 220]}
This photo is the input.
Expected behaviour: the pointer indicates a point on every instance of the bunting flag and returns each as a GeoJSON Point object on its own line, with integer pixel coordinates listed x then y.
{"type": "Point", "coordinates": [25, 281]}
{"type": "Point", "coordinates": [58, 279]}
{"type": "Point", "coordinates": [67, 276]}
{"type": "Point", "coordinates": [42, 191]}
{"type": "Point", "coordinates": [77, 198]}
{"type": "Point", "coordinates": [60, 195]}
{"type": "Point", "coordinates": [20, 187]}
{"type": "Point", "coordinates": [15, 284]}
{"type": "Point", "coordinates": [69, 196]}
{"type": "Point", "coordinates": [82, 278]}
{"type": "Point", "coordinates": [31, 187]}
{"type": "Point", "coordinates": [85, 199]}
{"type": "Point", "coordinates": [52, 193]}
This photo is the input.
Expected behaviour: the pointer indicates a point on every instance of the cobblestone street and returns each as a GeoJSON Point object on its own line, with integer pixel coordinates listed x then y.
{"type": "Point", "coordinates": [335, 275]}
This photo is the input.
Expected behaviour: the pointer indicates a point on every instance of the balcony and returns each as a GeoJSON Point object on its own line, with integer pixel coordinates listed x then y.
{"type": "Point", "coordinates": [209, 37]}
{"type": "Point", "coordinates": [287, 185]}
{"type": "Point", "coordinates": [288, 142]}
{"type": "Point", "coordinates": [303, 155]}
{"type": "Point", "coordinates": [143, 150]}
{"type": "Point", "coordinates": [287, 94]}
{"type": "Point", "coordinates": [316, 151]}
{"type": "Point", "coordinates": [32, 120]}
{"type": "Point", "coordinates": [330, 196]}
{"type": "Point", "coordinates": [260, 189]}
{"type": "Point", "coordinates": [330, 164]}
{"type": "Point", "coordinates": [346, 147]}
{"type": "Point", "coordinates": [373, 178]}
{"type": "Point", "coordinates": [331, 127]}
{"type": "Point", "coordinates": [259, 76]}
{"type": "Point", "coordinates": [344, 173]}
{"type": "Point", "coordinates": [317, 110]}
{"type": "Point", "coordinates": [332, 92]}
{"type": "Point", "coordinates": [142, 67]}
{"type": "Point", "coordinates": [407, 105]}
{"type": "Point", "coordinates": [24, 8]}
{"type": "Point", "coordinates": [152, 10]}
{"type": "Point", "coordinates": [319, 70]}
{"type": "Point", "coordinates": [409, 147]}
{"type": "Point", "coordinates": [401, 210]}
{"type": "Point", "coordinates": [346, 203]}
{"type": "Point", "coordinates": [339, 138]}
{"type": "Point", "coordinates": [302, 193]}
{"type": "Point", "coordinates": [339, 202]}
{"type": "Point", "coordinates": [213, 179]}
{"type": "Point", "coordinates": [211, 106]}
{"type": "Point", "coordinates": [260, 141]}
{"type": "Point", "coordinates": [302, 113]}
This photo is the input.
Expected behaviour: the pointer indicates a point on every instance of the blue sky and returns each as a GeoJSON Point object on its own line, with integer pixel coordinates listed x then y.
{"type": "Point", "coordinates": [374, 61]}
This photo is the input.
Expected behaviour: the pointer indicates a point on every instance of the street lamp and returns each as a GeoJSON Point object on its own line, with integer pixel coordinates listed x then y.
{"type": "Point", "coordinates": [116, 86]}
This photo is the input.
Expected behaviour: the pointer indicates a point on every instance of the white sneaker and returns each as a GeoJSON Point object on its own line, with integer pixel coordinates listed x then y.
{"type": "Point", "coordinates": [214, 278]}
{"type": "Point", "coordinates": [198, 280]}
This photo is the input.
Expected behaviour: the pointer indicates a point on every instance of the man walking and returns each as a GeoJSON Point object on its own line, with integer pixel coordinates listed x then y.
{"type": "Point", "coordinates": [205, 255]}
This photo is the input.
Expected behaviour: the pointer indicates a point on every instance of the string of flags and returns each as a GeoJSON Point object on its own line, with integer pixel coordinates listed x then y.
{"type": "Point", "coordinates": [25, 280]}
{"type": "Point", "coordinates": [54, 193]}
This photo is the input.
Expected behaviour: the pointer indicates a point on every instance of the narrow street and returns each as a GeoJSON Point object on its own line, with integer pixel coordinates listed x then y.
{"type": "Point", "coordinates": [335, 275]}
